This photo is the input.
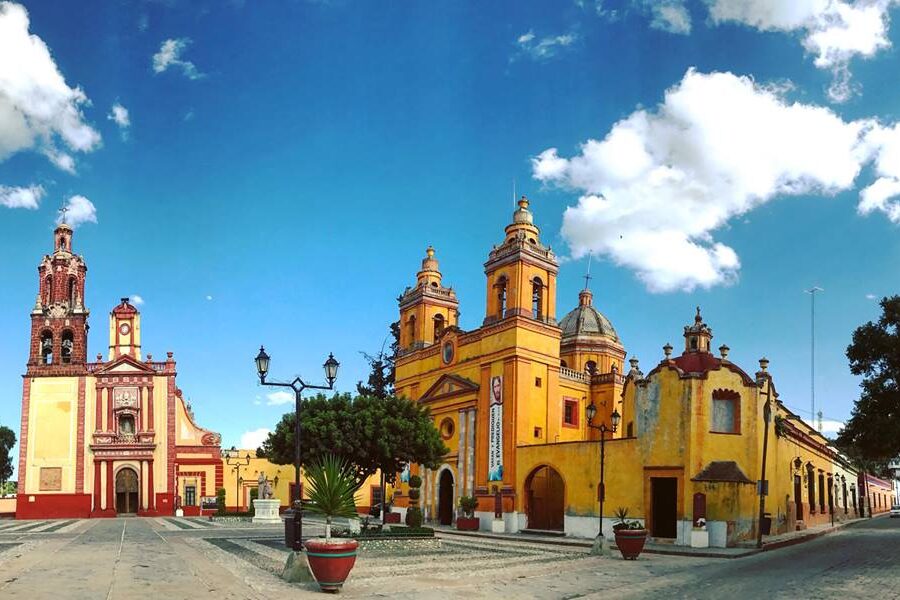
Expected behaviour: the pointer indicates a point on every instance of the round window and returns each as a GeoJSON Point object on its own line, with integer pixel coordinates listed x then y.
{"type": "Point", "coordinates": [447, 428]}
{"type": "Point", "coordinates": [447, 352]}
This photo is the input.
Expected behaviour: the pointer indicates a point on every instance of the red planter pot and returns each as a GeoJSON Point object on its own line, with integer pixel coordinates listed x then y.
{"type": "Point", "coordinates": [631, 542]}
{"type": "Point", "coordinates": [392, 517]}
{"type": "Point", "coordinates": [331, 562]}
{"type": "Point", "coordinates": [467, 523]}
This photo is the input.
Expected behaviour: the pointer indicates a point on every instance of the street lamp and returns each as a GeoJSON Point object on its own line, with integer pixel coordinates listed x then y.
{"type": "Point", "coordinates": [614, 418]}
{"type": "Point", "coordinates": [293, 529]}
{"type": "Point", "coordinates": [234, 455]}
{"type": "Point", "coordinates": [763, 377]}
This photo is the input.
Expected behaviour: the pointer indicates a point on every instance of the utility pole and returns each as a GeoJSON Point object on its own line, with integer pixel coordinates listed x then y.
{"type": "Point", "coordinates": [812, 353]}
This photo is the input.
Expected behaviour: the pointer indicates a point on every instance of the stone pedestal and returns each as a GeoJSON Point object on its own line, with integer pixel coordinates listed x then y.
{"type": "Point", "coordinates": [600, 547]}
{"type": "Point", "coordinates": [296, 569]}
{"type": "Point", "coordinates": [498, 526]}
{"type": "Point", "coordinates": [266, 511]}
{"type": "Point", "coordinates": [699, 538]}
{"type": "Point", "coordinates": [179, 512]}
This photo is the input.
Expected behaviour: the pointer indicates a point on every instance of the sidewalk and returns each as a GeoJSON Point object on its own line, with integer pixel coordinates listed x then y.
{"type": "Point", "coordinates": [772, 542]}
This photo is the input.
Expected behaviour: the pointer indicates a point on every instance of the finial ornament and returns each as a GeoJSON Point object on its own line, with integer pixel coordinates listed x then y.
{"type": "Point", "coordinates": [764, 364]}
{"type": "Point", "coordinates": [523, 201]}
{"type": "Point", "coordinates": [62, 212]}
{"type": "Point", "coordinates": [587, 276]}
{"type": "Point", "coordinates": [667, 350]}
{"type": "Point", "coordinates": [723, 350]}
{"type": "Point", "coordinates": [430, 251]}
{"type": "Point", "coordinates": [698, 318]}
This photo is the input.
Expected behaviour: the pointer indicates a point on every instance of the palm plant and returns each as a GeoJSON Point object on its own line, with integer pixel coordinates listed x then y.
{"type": "Point", "coordinates": [332, 487]}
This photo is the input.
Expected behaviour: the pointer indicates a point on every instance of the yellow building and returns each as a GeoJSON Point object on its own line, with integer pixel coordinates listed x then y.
{"type": "Point", "coordinates": [242, 475]}
{"type": "Point", "coordinates": [106, 437]}
{"type": "Point", "coordinates": [509, 399]}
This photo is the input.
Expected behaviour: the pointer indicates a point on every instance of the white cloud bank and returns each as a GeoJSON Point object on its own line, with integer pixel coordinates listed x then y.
{"type": "Point", "coordinates": [669, 15]}
{"type": "Point", "coordinates": [79, 210]}
{"type": "Point", "coordinates": [137, 299]}
{"type": "Point", "coordinates": [251, 440]}
{"type": "Point", "coordinates": [21, 197]}
{"type": "Point", "coordinates": [833, 31]}
{"type": "Point", "coordinates": [38, 110]}
{"type": "Point", "coordinates": [662, 181]}
{"type": "Point", "coordinates": [545, 48]}
{"type": "Point", "coordinates": [169, 55]}
{"type": "Point", "coordinates": [279, 398]}
{"type": "Point", "coordinates": [118, 114]}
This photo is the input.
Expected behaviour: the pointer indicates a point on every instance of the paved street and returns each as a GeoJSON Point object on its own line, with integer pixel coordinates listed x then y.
{"type": "Point", "coordinates": [190, 558]}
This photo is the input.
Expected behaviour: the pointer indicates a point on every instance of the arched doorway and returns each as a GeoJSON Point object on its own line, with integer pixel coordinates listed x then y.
{"type": "Point", "coordinates": [445, 498]}
{"type": "Point", "coordinates": [545, 497]}
{"type": "Point", "coordinates": [126, 491]}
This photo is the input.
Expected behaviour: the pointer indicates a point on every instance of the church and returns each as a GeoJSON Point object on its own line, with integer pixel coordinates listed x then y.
{"type": "Point", "coordinates": [104, 437]}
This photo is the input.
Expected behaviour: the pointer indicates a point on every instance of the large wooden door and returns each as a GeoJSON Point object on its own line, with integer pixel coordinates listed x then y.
{"type": "Point", "coordinates": [445, 498]}
{"type": "Point", "coordinates": [545, 497]}
{"type": "Point", "coordinates": [126, 491]}
{"type": "Point", "coordinates": [664, 498]}
{"type": "Point", "coordinates": [798, 500]}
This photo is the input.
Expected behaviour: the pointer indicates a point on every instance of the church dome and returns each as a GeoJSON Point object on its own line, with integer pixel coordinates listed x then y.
{"type": "Point", "coordinates": [586, 321]}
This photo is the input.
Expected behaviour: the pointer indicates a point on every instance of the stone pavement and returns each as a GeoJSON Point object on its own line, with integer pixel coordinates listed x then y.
{"type": "Point", "coordinates": [193, 558]}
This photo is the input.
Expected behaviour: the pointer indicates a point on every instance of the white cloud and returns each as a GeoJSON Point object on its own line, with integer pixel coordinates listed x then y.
{"type": "Point", "coordinates": [79, 210]}
{"type": "Point", "coordinates": [830, 426]}
{"type": "Point", "coordinates": [545, 48]}
{"type": "Point", "coordinates": [38, 110]}
{"type": "Point", "coordinates": [661, 182]}
{"type": "Point", "coordinates": [279, 398]}
{"type": "Point", "coordinates": [833, 31]}
{"type": "Point", "coordinates": [21, 197]}
{"type": "Point", "coordinates": [251, 440]}
{"type": "Point", "coordinates": [119, 115]}
{"type": "Point", "coordinates": [169, 55]}
{"type": "Point", "coordinates": [871, 297]}
{"type": "Point", "coordinates": [137, 299]}
{"type": "Point", "coordinates": [670, 15]}
{"type": "Point", "coordinates": [209, 297]}
{"type": "Point", "coordinates": [882, 195]}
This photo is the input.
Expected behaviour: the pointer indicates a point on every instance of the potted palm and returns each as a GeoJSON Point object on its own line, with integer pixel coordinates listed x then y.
{"type": "Point", "coordinates": [630, 535]}
{"type": "Point", "coordinates": [331, 490]}
{"type": "Point", "coordinates": [468, 522]}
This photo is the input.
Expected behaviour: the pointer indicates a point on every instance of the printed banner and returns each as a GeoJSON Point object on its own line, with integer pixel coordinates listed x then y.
{"type": "Point", "coordinates": [495, 431]}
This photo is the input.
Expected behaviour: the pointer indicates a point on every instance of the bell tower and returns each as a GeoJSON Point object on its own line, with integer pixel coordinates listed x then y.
{"type": "Point", "coordinates": [428, 308]}
{"type": "Point", "coordinates": [521, 273]}
{"type": "Point", "coordinates": [125, 331]}
{"type": "Point", "coordinates": [698, 336]}
{"type": "Point", "coordinates": [59, 318]}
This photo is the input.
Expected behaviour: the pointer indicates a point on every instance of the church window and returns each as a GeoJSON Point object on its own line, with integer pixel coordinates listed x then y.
{"type": "Point", "coordinates": [570, 412]}
{"type": "Point", "coordinates": [48, 289]}
{"type": "Point", "coordinates": [447, 428]}
{"type": "Point", "coordinates": [411, 327]}
{"type": "Point", "coordinates": [537, 382]}
{"type": "Point", "coordinates": [693, 343]}
{"type": "Point", "coordinates": [538, 432]}
{"type": "Point", "coordinates": [501, 297]}
{"type": "Point", "coordinates": [591, 367]}
{"type": "Point", "coordinates": [726, 412]}
{"type": "Point", "coordinates": [72, 288]}
{"type": "Point", "coordinates": [66, 346]}
{"type": "Point", "coordinates": [438, 326]}
{"type": "Point", "coordinates": [126, 424]}
{"type": "Point", "coordinates": [47, 347]}
{"type": "Point", "coordinates": [537, 298]}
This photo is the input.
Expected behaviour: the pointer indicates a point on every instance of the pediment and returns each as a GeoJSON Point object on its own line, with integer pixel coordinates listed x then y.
{"type": "Point", "coordinates": [448, 386]}
{"type": "Point", "coordinates": [124, 364]}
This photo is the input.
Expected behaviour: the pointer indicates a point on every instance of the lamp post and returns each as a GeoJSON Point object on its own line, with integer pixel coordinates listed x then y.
{"type": "Point", "coordinates": [293, 533]}
{"type": "Point", "coordinates": [591, 412]}
{"type": "Point", "coordinates": [764, 377]}
{"type": "Point", "coordinates": [234, 455]}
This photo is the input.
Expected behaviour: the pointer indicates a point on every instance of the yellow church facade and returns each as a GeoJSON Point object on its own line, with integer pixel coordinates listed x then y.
{"type": "Point", "coordinates": [509, 399]}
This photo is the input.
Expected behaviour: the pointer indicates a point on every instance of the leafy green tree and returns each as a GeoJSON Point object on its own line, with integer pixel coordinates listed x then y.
{"type": "Point", "coordinates": [7, 441]}
{"type": "Point", "coordinates": [382, 371]}
{"type": "Point", "coordinates": [369, 433]}
{"type": "Point", "coordinates": [873, 432]}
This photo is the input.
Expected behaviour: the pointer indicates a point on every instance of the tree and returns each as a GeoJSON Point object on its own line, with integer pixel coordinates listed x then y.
{"type": "Point", "coordinates": [7, 441]}
{"type": "Point", "coordinates": [380, 383]}
{"type": "Point", "coordinates": [368, 432]}
{"type": "Point", "coordinates": [873, 432]}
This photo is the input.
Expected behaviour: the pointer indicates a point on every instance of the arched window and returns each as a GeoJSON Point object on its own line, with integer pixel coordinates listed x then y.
{"type": "Point", "coordinates": [726, 412]}
{"type": "Point", "coordinates": [66, 346]}
{"type": "Point", "coordinates": [501, 297]}
{"type": "Point", "coordinates": [47, 347]}
{"type": "Point", "coordinates": [48, 289]}
{"type": "Point", "coordinates": [537, 298]}
{"type": "Point", "coordinates": [72, 288]}
{"type": "Point", "coordinates": [411, 328]}
{"type": "Point", "coordinates": [591, 367]}
{"type": "Point", "coordinates": [438, 326]}
{"type": "Point", "coordinates": [563, 364]}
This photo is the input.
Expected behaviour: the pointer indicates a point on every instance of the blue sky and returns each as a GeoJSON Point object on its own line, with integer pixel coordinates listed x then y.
{"type": "Point", "coordinates": [282, 167]}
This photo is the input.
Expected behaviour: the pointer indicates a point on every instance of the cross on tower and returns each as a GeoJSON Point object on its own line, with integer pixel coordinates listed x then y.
{"type": "Point", "coordinates": [63, 212]}
{"type": "Point", "coordinates": [587, 276]}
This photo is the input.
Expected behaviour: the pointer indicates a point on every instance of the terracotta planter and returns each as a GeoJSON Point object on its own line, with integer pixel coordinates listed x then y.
{"type": "Point", "coordinates": [392, 517]}
{"type": "Point", "coordinates": [331, 562]}
{"type": "Point", "coordinates": [630, 542]}
{"type": "Point", "coordinates": [467, 523]}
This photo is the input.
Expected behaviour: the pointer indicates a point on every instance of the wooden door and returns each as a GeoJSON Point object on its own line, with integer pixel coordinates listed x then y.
{"type": "Point", "coordinates": [664, 498]}
{"type": "Point", "coordinates": [126, 491]}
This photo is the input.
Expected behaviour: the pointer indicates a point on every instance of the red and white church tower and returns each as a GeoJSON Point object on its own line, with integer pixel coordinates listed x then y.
{"type": "Point", "coordinates": [107, 437]}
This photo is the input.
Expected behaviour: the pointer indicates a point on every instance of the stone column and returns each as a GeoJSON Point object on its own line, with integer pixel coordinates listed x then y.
{"type": "Point", "coordinates": [110, 486]}
{"type": "Point", "coordinates": [98, 410]}
{"type": "Point", "coordinates": [152, 493]}
{"type": "Point", "coordinates": [470, 452]}
{"type": "Point", "coordinates": [460, 456]}
{"type": "Point", "coordinates": [150, 407]}
{"type": "Point", "coordinates": [98, 490]}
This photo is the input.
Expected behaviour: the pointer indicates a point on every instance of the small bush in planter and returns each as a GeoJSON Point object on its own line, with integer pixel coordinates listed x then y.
{"type": "Point", "coordinates": [630, 535]}
{"type": "Point", "coordinates": [220, 501]}
{"type": "Point", "coordinates": [414, 516]}
{"type": "Point", "coordinates": [468, 504]}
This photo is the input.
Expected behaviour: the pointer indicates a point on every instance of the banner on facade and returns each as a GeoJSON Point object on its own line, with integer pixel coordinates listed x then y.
{"type": "Point", "coordinates": [495, 431]}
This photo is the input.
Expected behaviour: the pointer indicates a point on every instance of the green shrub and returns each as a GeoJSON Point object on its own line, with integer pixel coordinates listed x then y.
{"type": "Point", "coordinates": [468, 504]}
{"type": "Point", "coordinates": [415, 481]}
{"type": "Point", "coordinates": [220, 501]}
{"type": "Point", "coordinates": [414, 517]}
{"type": "Point", "coordinates": [415, 494]}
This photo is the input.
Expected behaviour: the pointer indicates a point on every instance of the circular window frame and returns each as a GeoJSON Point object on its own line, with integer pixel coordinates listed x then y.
{"type": "Point", "coordinates": [447, 428]}
{"type": "Point", "coordinates": [448, 352]}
